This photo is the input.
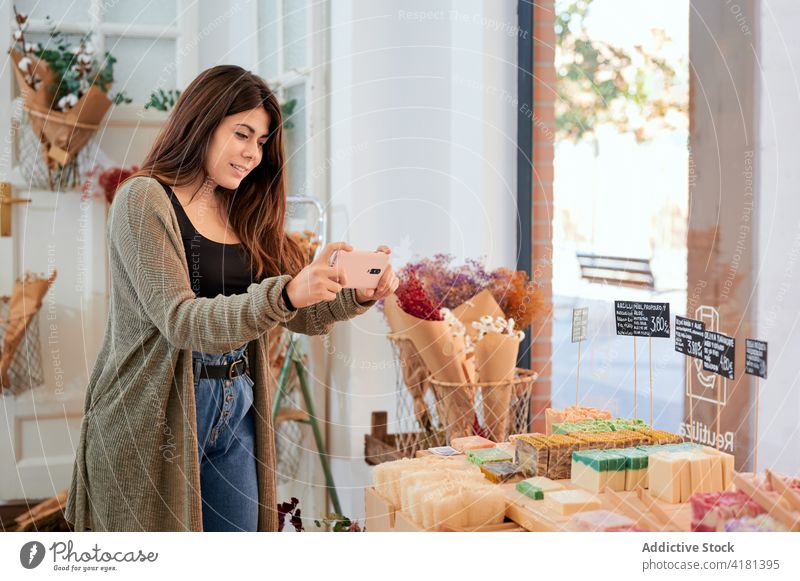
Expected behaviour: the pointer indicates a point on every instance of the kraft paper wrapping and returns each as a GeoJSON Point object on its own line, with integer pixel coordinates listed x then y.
{"type": "Point", "coordinates": [68, 131]}
{"type": "Point", "coordinates": [496, 360]}
{"type": "Point", "coordinates": [445, 359]}
{"type": "Point", "coordinates": [26, 300]}
{"type": "Point", "coordinates": [473, 309]}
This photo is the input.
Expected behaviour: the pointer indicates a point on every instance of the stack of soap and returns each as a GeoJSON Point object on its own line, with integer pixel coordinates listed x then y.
{"type": "Point", "coordinates": [531, 454]}
{"type": "Point", "coordinates": [470, 443]}
{"type": "Point", "coordinates": [537, 487]}
{"type": "Point", "coordinates": [480, 456]}
{"type": "Point", "coordinates": [568, 502]}
{"type": "Point", "coordinates": [599, 521]}
{"type": "Point", "coordinates": [573, 414]}
{"type": "Point", "coordinates": [499, 472]}
{"type": "Point", "coordinates": [608, 440]}
{"type": "Point", "coordinates": [598, 470]}
{"type": "Point", "coordinates": [673, 476]}
{"type": "Point", "coordinates": [635, 467]}
{"type": "Point", "coordinates": [559, 460]}
{"type": "Point", "coordinates": [659, 436]}
{"type": "Point", "coordinates": [711, 510]}
{"type": "Point", "coordinates": [390, 478]}
{"type": "Point", "coordinates": [595, 426]}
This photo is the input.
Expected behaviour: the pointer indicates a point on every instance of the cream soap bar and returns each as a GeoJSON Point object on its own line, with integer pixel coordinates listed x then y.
{"type": "Point", "coordinates": [568, 502]}
{"type": "Point", "coordinates": [597, 470]}
{"type": "Point", "coordinates": [669, 476]}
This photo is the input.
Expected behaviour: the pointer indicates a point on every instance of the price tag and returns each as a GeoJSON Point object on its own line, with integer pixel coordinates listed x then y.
{"type": "Point", "coordinates": [755, 358]}
{"type": "Point", "coordinates": [642, 319]}
{"type": "Point", "coordinates": [689, 336]}
{"type": "Point", "coordinates": [719, 354]}
{"type": "Point", "coordinates": [444, 451]}
{"type": "Point", "coordinates": [580, 324]}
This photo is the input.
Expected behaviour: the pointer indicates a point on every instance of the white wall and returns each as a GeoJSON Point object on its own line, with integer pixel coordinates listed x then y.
{"type": "Point", "coordinates": [778, 232]}
{"type": "Point", "coordinates": [422, 134]}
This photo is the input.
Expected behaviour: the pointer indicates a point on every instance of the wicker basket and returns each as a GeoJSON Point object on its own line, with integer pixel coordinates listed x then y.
{"type": "Point", "coordinates": [501, 407]}
{"type": "Point", "coordinates": [456, 409]}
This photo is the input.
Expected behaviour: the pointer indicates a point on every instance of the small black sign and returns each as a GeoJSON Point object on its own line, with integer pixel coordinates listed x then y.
{"type": "Point", "coordinates": [719, 354]}
{"type": "Point", "coordinates": [642, 319]}
{"type": "Point", "coordinates": [755, 358]}
{"type": "Point", "coordinates": [689, 336]}
{"type": "Point", "coordinates": [580, 324]}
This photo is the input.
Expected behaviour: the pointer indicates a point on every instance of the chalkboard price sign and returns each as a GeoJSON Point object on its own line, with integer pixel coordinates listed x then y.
{"type": "Point", "coordinates": [642, 319]}
{"type": "Point", "coordinates": [719, 354]}
{"type": "Point", "coordinates": [689, 336]}
{"type": "Point", "coordinates": [755, 358]}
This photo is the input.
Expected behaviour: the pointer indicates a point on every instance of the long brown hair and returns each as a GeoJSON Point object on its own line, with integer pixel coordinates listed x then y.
{"type": "Point", "coordinates": [257, 208]}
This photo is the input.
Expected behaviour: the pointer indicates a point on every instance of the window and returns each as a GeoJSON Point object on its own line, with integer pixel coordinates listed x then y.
{"type": "Point", "coordinates": [290, 55]}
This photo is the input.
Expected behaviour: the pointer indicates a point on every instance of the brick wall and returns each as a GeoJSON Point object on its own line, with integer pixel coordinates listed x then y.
{"type": "Point", "coordinates": [544, 91]}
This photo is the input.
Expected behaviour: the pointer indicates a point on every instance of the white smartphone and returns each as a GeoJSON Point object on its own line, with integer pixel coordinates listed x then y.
{"type": "Point", "coordinates": [362, 268]}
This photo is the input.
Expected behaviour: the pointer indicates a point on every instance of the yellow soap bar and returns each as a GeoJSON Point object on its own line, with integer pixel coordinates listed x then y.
{"type": "Point", "coordinates": [667, 474]}
{"type": "Point", "coordinates": [567, 502]}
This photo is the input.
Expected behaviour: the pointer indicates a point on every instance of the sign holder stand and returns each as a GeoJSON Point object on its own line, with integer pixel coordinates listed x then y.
{"type": "Point", "coordinates": [578, 374]}
{"type": "Point", "coordinates": [634, 379]}
{"type": "Point", "coordinates": [650, 359]}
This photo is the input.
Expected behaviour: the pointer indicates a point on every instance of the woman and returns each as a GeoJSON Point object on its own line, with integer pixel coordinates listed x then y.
{"type": "Point", "coordinates": [177, 433]}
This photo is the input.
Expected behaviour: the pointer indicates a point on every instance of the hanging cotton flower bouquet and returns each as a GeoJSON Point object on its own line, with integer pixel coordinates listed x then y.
{"type": "Point", "coordinates": [65, 91]}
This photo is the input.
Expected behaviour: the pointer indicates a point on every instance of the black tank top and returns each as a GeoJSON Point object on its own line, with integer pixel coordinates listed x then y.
{"type": "Point", "coordinates": [214, 268]}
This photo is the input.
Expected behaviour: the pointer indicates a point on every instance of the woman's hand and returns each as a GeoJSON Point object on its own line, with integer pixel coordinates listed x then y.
{"type": "Point", "coordinates": [318, 282]}
{"type": "Point", "coordinates": [387, 284]}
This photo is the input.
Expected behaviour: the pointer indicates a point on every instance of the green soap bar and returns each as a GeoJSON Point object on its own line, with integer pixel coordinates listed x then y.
{"type": "Point", "coordinates": [600, 460]}
{"type": "Point", "coordinates": [635, 458]}
{"type": "Point", "coordinates": [530, 490]}
{"type": "Point", "coordinates": [483, 455]}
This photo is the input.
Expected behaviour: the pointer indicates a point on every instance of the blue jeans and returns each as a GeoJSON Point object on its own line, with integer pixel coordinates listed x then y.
{"type": "Point", "coordinates": [226, 442]}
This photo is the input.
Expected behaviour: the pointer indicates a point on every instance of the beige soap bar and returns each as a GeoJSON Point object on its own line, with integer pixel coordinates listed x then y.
{"type": "Point", "coordinates": [567, 502]}
{"type": "Point", "coordinates": [669, 476]}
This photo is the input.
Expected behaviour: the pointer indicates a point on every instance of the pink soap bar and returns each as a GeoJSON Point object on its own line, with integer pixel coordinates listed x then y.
{"type": "Point", "coordinates": [710, 510]}
{"type": "Point", "coordinates": [471, 443]}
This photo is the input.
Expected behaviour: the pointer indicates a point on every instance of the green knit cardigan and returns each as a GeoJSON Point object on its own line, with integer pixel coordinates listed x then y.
{"type": "Point", "coordinates": [136, 465]}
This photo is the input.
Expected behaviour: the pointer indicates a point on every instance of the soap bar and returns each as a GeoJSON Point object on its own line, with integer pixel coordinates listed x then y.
{"type": "Point", "coordinates": [480, 456]}
{"type": "Point", "coordinates": [608, 440]}
{"type": "Point", "coordinates": [598, 520]}
{"type": "Point", "coordinates": [667, 474]}
{"type": "Point", "coordinates": [531, 454]}
{"type": "Point", "coordinates": [659, 436]}
{"type": "Point", "coordinates": [711, 510]}
{"type": "Point", "coordinates": [559, 460]}
{"type": "Point", "coordinates": [598, 470]}
{"type": "Point", "coordinates": [567, 502]}
{"type": "Point", "coordinates": [572, 414]}
{"type": "Point", "coordinates": [470, 443]}
{"type": "Point", "coordinates": [526, 488]}
{"type": "Point", "coordinates": [538, 486]}
{"type": "Point", "coordinates": [545, 484]}
{"type": "Point", "coordinates": [499, 472]}
{"type": "Point", "coordinates": [635, 467]}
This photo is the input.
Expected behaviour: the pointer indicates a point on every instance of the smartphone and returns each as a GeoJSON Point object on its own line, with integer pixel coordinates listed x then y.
{"type": "Point", "coordinates": [362, 268]}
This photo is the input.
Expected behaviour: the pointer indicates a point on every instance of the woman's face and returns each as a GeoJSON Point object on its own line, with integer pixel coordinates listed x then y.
{"type": "Point", "coordinates": [236, 147]}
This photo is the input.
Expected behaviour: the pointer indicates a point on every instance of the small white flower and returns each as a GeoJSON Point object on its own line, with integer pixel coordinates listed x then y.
{"type": "Point", "coordinates": [17, 35]}
{"type": "Point", "coordinates": [24, 64]}
{"type": "Point", "coordinates": [88, 48]}
{"type": "Point", "coordinates": [31, 46]}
